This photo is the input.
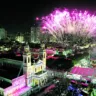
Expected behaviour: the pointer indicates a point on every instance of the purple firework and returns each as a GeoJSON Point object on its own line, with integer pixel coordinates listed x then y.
{"type": "Point", "coordinates": [74, 22]}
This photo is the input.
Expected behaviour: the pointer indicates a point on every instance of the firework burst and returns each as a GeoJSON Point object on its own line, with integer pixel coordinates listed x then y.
{"type": "Point", "coordinates": [60, 22]}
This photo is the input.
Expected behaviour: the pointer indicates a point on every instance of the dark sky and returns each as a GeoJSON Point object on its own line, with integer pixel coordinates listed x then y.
{"type": "Point", "coordinates": [20, 16]}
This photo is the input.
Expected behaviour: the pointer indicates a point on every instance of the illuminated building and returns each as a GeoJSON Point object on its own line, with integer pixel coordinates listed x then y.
{"type": "Point", "coordinates": [34, 74]}
{"type": "Point", "coordinates": [20, 39]}
{"type": "Point", "coordinates": [35, 33]}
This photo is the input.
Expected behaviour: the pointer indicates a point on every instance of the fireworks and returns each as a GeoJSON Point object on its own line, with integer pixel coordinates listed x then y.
{"type": "Point", "coordinates": [60, 22]}
{"type": "Point", "coordinates": [37, 18]}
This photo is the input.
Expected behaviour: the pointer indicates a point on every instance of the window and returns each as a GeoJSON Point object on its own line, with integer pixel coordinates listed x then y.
{"type": "Point", "coordinates": [35, 70]}
{"type": "Point", "coordinates": [25, 60]}
{"type": "Point", "coordinates": [28, 59]}
{"type": "Point", "coordinates": [44, 55]}
{"type": "Point", "coordinates": [41, 67]}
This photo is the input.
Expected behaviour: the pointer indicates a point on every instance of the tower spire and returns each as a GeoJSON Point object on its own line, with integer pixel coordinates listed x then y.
{"type": "Point", "coordinates": [27, 63]}
{"type": "Point", "coordinates": [26, 48]}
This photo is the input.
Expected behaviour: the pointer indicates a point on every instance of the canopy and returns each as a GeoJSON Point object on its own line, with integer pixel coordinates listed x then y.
{"type": "Point", "coordinates": [83, 71]}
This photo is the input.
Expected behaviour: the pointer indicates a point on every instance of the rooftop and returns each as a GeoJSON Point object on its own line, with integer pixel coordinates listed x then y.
{"type": "Point", "coordinates": [59, 64]}
{"type": "Point", "coordinates": [9, 71]}
{"type": "Point", "coordinates": [4, 84]}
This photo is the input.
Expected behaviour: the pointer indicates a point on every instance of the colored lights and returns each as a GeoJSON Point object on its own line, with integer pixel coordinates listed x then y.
{"type": "Point", "coordinates": [19, 80]}
{"type": "Point", "coordinates": [17, 84]}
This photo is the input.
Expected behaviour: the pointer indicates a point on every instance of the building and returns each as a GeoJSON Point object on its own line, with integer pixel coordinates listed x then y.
{"type": "Point", "coordinates": [34, 74]}
{"type": "Point", "coordinates": [82, 73]}
{"type": "Point", "coordinates": [3, 33]}
{"type": "Point", "coordinates": [20, 38]}
{"type": "Point", "coordinates": [56, 73]}
{"type": "Point", "coordinates": [35, 33]}
{"type": "Point", "coordinates": [61, 67]}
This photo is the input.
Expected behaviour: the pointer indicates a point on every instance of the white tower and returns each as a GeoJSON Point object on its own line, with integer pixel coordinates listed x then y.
{"type": "Point", "coordinates": [27, 64]}
{"type": "Point", "coordinates": [43, 55]}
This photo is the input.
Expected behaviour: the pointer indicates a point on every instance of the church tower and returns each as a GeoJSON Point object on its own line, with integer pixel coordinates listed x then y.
{"type": "Point", "coordinates": [43, 51]}
{"type": "Point", "coordinates": [27, 63]}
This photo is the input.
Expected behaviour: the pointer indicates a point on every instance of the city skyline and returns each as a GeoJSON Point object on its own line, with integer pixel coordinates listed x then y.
{"type": "Point", "coordinates": [20, 16]}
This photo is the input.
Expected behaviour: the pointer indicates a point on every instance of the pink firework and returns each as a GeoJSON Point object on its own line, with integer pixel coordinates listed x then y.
{"type": "Point", "coordinates": [71, 22]}
{"type": "Point", "coordinates": [37, 18]}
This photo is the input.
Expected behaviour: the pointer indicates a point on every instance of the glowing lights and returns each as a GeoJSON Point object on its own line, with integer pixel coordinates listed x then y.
{"type": "Point", "coordinates": [16, 92]}
{"type": "Point", "coordinates": [64, 21]}
{"type": "Point", "coordinates": [20, 39]}
{"type": "Point", "coordinates": [19, 80]}
{"type": "Point", "coordinates": [84, 62]}
{"type": "Point", "coordinates": [17, 84]}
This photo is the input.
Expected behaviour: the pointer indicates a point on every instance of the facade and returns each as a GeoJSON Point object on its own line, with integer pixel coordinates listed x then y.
{"type": "Point", "coordinates": [34, 74]}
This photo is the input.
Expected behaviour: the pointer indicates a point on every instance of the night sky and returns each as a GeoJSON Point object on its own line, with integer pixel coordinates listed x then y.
{"type": "Point", "coordinates": [20, 16]}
